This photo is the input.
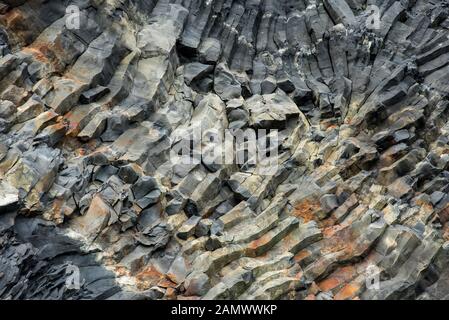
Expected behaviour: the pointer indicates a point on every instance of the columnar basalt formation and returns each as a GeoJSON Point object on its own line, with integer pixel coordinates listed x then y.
{"type": "Point", "coordinates": [91, 117]}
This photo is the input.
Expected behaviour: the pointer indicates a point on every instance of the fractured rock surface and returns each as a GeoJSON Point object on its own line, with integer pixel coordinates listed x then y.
{"type": "Point", "coordinates": [92, 119]}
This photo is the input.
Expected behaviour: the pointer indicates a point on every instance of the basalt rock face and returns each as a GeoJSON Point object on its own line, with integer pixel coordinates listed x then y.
{"type": "Point", "coordinates": [92, 119]}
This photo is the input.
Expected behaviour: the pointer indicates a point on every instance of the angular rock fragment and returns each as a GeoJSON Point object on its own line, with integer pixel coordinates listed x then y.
{"type": "Point", "coordinates": [94, 94]}
{"type": "Point", "coordinates": [272, 111]}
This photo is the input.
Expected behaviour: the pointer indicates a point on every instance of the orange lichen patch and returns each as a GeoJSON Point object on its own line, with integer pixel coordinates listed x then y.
{"type": "Point", "coordinates": [148, 278]}
{"type": "Point", "coordinates": [349, 291]}
{"type": "Point", "coordinates": [306, 209]}
{"type": "Point", "coordinates": [338, 278]}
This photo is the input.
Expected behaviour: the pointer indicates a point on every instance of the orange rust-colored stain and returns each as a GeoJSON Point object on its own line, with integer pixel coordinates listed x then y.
{"type": "Point", "coordinates": [149, 272]}
{"type": "Point", "coordinates": [301, 255]}
{"type": "Point", "coordinates": [253, 245]}
{"type": "Point", "coordinates": [60, 126]}
{"type": "Point", "coordinates": [148, 278]}
{"type": "Point", "coordinates": [338, 278]}
{"type": "Point", "coordinates": [36, 53]}
{"type": "Point", "coordinates": [329, 284]}
{"type": "Point", "coordinates": [349, 291]}
{"type": "Point", "coordinates": [48, 52]}
{"type": "Point", "coordinates": [306, 210]}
